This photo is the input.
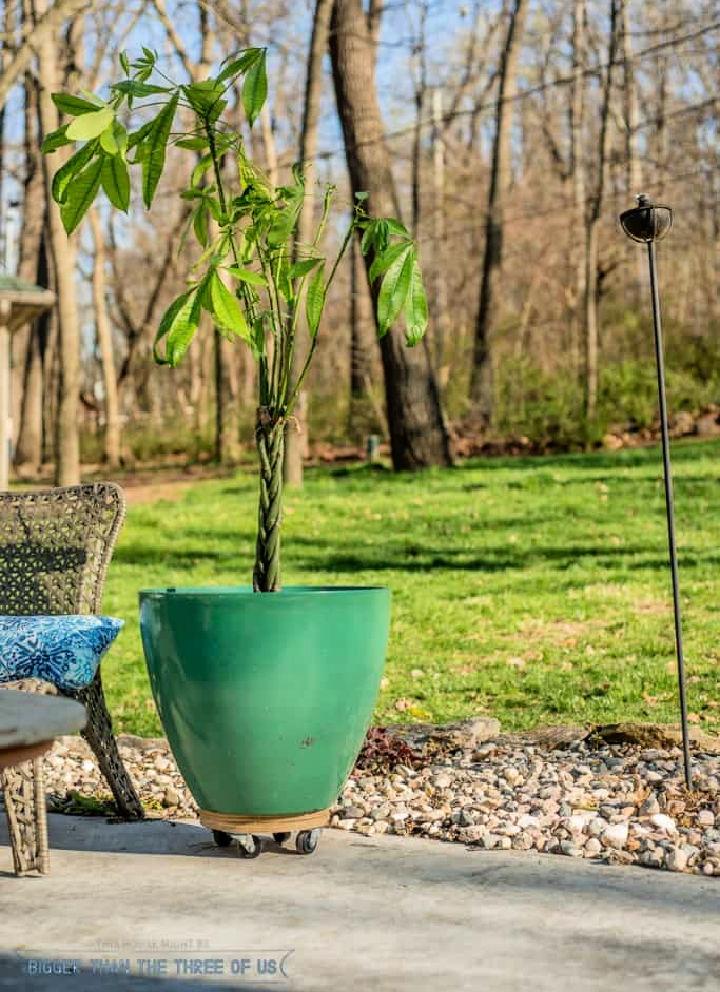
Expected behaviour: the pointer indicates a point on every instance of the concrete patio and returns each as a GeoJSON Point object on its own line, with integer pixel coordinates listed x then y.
{"type": "Point", "coordinates": [362, 913]}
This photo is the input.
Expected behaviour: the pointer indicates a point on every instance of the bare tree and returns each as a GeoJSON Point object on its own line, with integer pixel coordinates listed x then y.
{"type": "Point", "coordinates": [577, 159]}
{"type": "Point", "coordinates": [32, 266]}
{"type": "Point", "coordinates": [296, 433]}
{"type": "Point", "coordinates": [48, 25]}
{"type": "Point", "coordinates": [594, 213]}
{"type": "Point", "coordinates": [481, 385]}
{"type": "Point", "coordinates": [63, 250]}
{"type": "Point", "coordinates": [418, 434]}
{"type": "Point", "coordinates": [105, 346]}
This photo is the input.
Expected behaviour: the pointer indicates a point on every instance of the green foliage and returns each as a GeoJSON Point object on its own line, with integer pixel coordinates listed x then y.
{"type": "Point", "coordinates": [245, 229]}
{"type": "Point", "coordinates": [115, 181]}
{"type": "Point", "coordinates": [80, 194]}
{"type": "Point", "coordinates": [548, 409]}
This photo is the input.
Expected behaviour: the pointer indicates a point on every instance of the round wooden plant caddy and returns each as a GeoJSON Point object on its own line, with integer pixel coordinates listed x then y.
{"type": "Point", "coordinates": [249, 830]}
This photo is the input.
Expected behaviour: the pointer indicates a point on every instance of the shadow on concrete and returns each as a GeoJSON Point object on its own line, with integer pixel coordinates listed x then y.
{"type": "Point", "coordinates": [401, 861]}
{"type": "Point", "coordinates": [159, 837]}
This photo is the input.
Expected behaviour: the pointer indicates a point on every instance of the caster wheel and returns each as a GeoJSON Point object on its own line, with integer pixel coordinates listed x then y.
{"type": "Point", "coordinates": [307, 841]}
{"type": "Point", "coordinates": [221, 838]}
{"type": "Point", "coordinates": [251, 847]}
{"type": "Point", "coordinates": [281, 837]}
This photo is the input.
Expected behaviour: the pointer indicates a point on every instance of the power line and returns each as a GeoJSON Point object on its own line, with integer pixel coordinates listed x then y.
{"type": "Point", "coordinates": [521, 95]}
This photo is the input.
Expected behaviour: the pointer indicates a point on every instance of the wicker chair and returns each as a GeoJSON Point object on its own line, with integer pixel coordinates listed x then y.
{"type": "Point", "coordinates": [55, 547]}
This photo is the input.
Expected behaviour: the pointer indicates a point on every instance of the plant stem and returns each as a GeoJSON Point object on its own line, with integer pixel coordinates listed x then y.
{"type": "Point", "coordinates": [313, 345]}
{"type": "Point", "coordinates": [270, 440]}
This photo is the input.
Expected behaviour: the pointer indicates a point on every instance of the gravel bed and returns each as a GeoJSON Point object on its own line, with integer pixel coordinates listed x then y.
{"type": "Point", "coordinates": [618, 803]}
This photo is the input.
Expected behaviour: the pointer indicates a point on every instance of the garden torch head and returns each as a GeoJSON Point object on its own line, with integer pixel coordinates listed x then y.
{"type": "Point", "coordinates": [647, 221]}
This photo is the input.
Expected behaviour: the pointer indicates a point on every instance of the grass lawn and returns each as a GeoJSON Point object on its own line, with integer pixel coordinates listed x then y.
{"type": "Point", "coordinates": [536, 590]}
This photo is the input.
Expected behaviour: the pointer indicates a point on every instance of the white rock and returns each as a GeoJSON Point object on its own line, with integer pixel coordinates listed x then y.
{"type": "Point", "coordinates": [661, 821]}
{"type": "Point", "coordinates": [615, 835]}
{"type": "Point", "coordinates": [676, 859]}
{"type": "Point", "coordinates": [577, 823]}
{"type": "Point", "coordinates": [527, 821]}
{"type": "Point", "coordinates": [570, 850]}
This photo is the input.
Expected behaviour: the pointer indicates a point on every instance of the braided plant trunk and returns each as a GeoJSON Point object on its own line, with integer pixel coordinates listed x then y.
{"type": "Point", "coordinates": [270, 441]}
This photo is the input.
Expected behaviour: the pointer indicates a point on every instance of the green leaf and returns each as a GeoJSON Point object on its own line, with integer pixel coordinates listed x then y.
{"type": "Point", "coordinates": [55, 140]}
{"type": "Point", "coordinates": [131, 87]}
{"type": "Point", "coordinates": [201, 223]}
{"type": "Point", "coordinates": [137, 137]}
{"type": "Point", "coordinates": [368, 238]}
{"type": "Point", "coordinates": [115, 180]}
{"type": "Point", "coordinates": [120, 137]}
{"type": "Point", "coordinates": [361, 195]}
{"type": "Point", "coordinates": [124, 61]}
{"type": "Point", "coordinates": [183, 331]}
{"type": "Point", "coordinates": [92, 98]}
{"type": "Point", "coordinates": [66, 172]}
{"type": "Point", "coordinates": [89, 126]}
{"type": "Point", "coordinates": [315, 301]}
{"type": "Point", "coordinates": [247, 275]}
{"type": "Point", "coordinates": [154, 148]}
{"type": "Point", "coordinates": [393, 291]}
{"type": "Point", "coordinates": [68, 103]}
{"type": "Point", "coordinates": [108, 142]}
{"type": "Point", "coordinates": [198, 144]}
{"type": "Point", "coordinates": [383, 260]}
{"type": "Point", "coordinates": [255, 87]}
{"type": "Point", "coordinates": [285, 219]}
{"type": "Point", "coordinates": [226, 308]}
{"type": "Point", "coordinates": [299, 269]}
{"type": "Point", "coordinates": [205, 163]}
{"type": "Point", "coordinates": [205, 96]}
{"type": "Point", "coordinates": [240, 64]}
{"type": "Point", "coordinates": [282, 278]}
{"type": "Point", "coordinates": [416, 308]}
{"type": "Point", "coordinates": [395, 227]}
{"type": "Point", "coordinates": [80, 194]}
{"type": "Point", "coordinates": [181, 318]}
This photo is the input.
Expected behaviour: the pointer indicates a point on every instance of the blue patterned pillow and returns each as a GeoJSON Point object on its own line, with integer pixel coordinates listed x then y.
{"type": "Point", "coordinates": [64, 650]}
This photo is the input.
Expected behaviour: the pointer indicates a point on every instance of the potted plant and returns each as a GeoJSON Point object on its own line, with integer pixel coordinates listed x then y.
{"type": "Point", "coordinates": [265, 692]}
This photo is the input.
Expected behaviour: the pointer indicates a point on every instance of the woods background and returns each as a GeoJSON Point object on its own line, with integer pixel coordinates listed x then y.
{"type": "Point", "coordinates": [507, 136]}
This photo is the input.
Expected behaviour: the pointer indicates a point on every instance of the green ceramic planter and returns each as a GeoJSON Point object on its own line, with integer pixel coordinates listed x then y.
{"type": "Point", "coordinates": [265, 698]}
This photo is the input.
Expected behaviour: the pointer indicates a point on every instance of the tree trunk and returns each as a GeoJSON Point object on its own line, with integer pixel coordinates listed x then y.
{"type": "Point", "coordinates": [105, 347]}
{"type": "Point", "coordinates": [296, 433]}
{"type": "Point", "coordinates": [418, 435]}
{"type": "Point", "coordinates": [63, 249]}
{"type": "Point", "coordinates": [360, 330]}
{"type": "Point", "coordinates": [578, 170]}
{"type": "Point", "coordinates": [30, 447]}
{"type": "Point", "coordinates": [591, 232]}
{"type": "Point", "coordinates": [633, 164]}
{"type": "Point", "coordinates": [32, 266]}
{"type": "Point", "coordinates": [227, 441]}
{"type": "Point", "coordinates": [481, 379]}
{"type": "Point", "coordinates": [438, 299]}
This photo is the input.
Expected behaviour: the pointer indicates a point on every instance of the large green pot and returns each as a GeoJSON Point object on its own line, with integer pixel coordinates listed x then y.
{"type": "Point", "coordinates": [265, 698]}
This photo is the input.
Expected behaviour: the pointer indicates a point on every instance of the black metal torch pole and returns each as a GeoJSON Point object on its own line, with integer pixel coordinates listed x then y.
{"type": "Point", "coordinates": [670, 509]}
{"type": "Point", "coordinates": [647, 223]}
